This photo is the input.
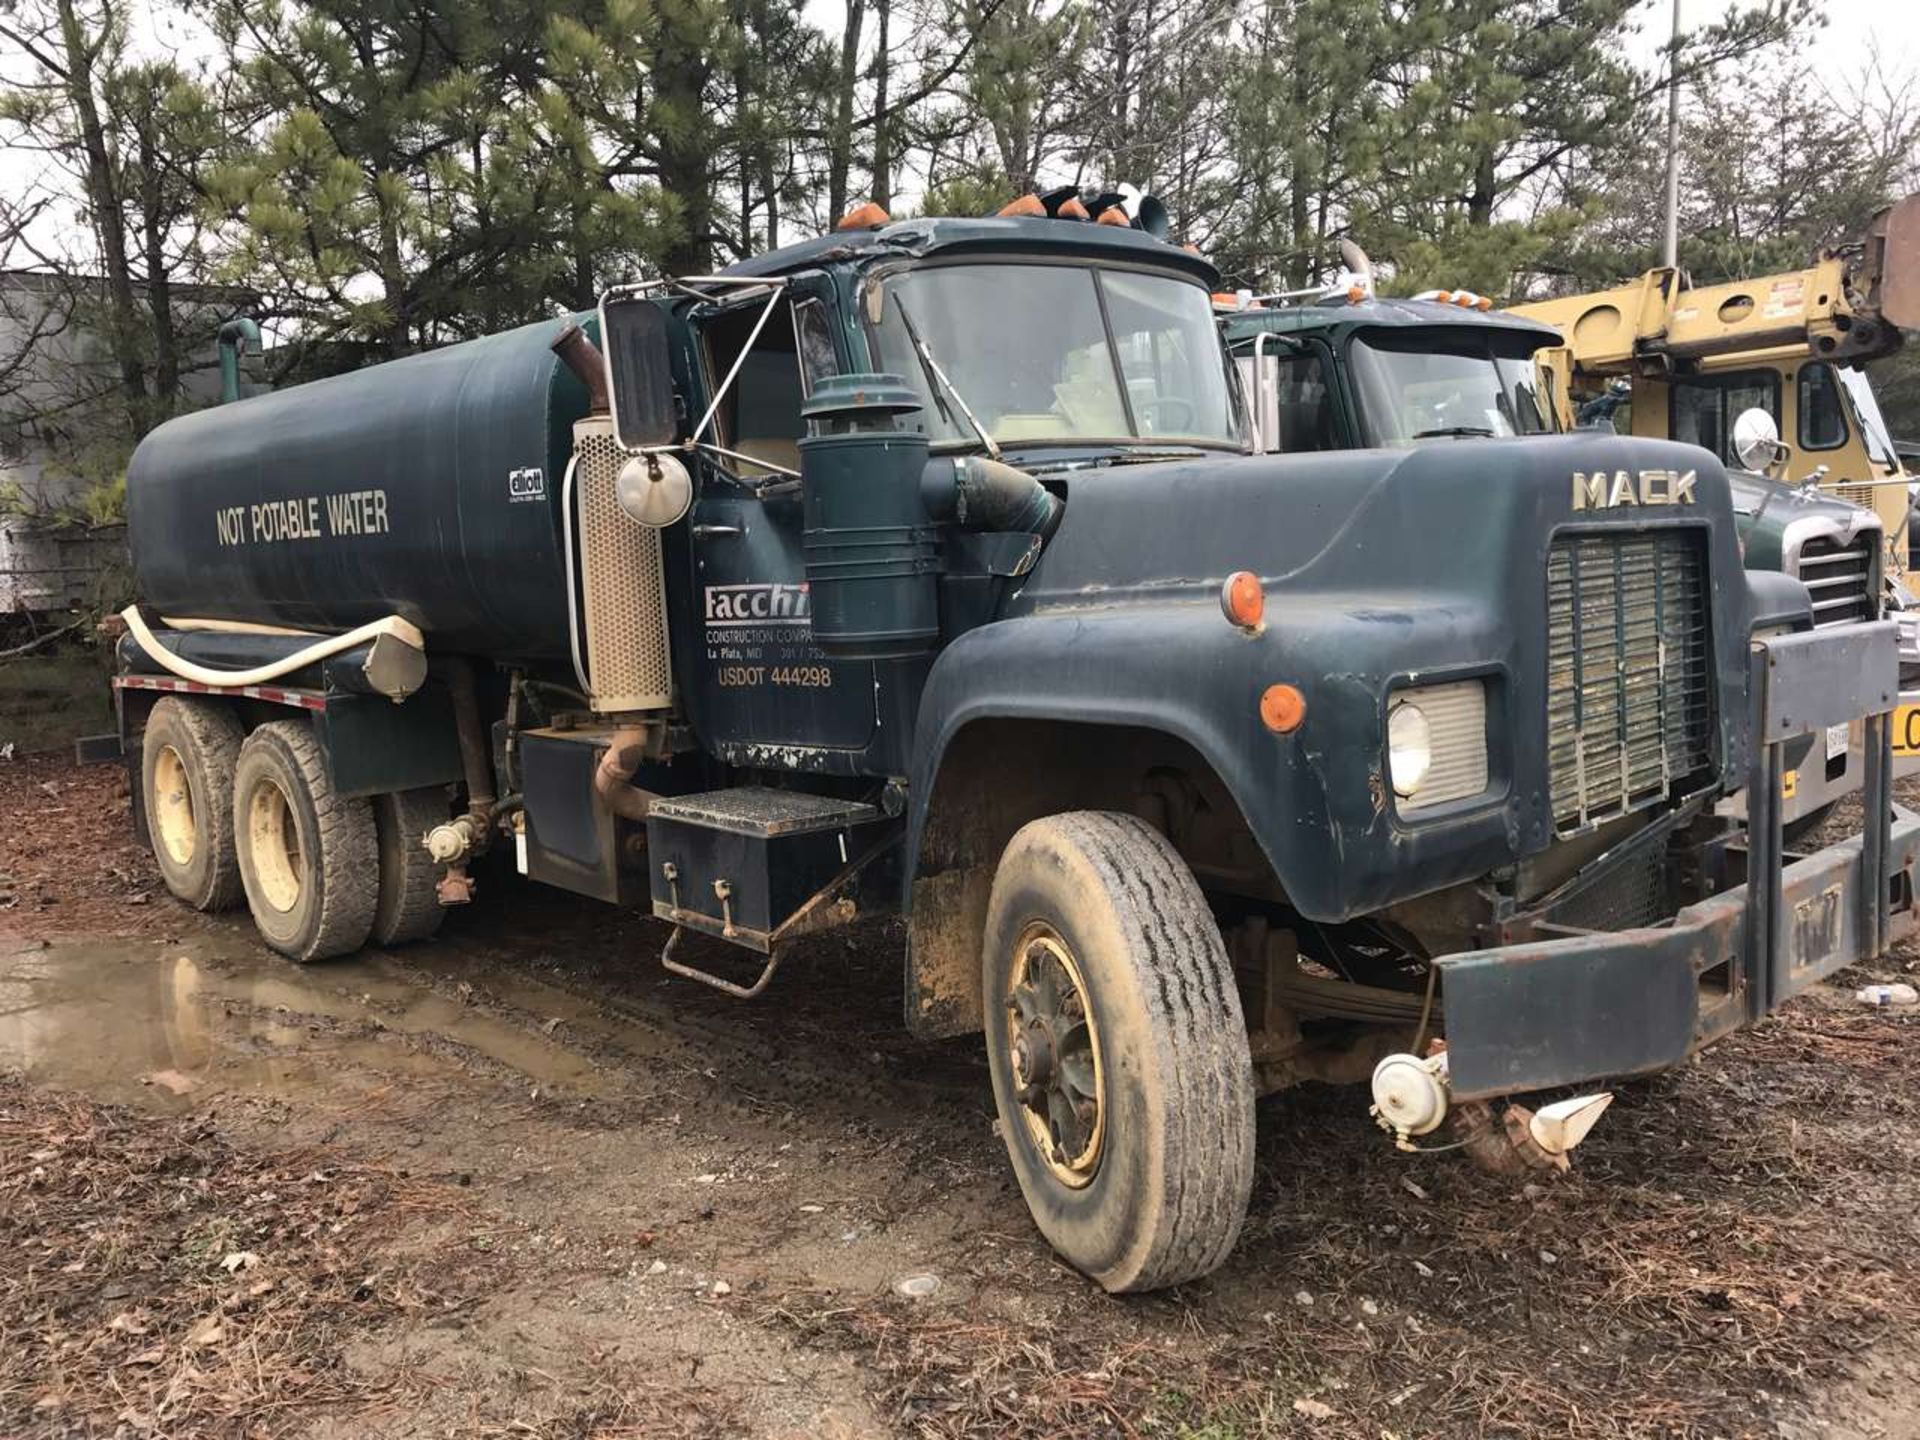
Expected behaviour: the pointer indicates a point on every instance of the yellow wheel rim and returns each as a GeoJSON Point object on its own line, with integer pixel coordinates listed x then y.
{"type": "Point", "coordinates": [171, 806]}
{"type": "Point", "coordinates": [273, 842]}
{"type": "Point", "coordinates": [1053, 1049]}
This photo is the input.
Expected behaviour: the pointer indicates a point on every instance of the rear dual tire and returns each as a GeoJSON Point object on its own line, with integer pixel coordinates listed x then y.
{"type": "Point", "coordinates": [309, 857]}
{"type": "Point", "coordinates": [188, 755]}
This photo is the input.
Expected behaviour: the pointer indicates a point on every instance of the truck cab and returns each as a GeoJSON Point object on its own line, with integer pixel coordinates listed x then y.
{"type": "Point", "coordinates": [926, 571]}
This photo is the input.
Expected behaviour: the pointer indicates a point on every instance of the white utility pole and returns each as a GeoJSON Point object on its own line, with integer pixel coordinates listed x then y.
{"type": "Point", "coordinates": [1670, 251]}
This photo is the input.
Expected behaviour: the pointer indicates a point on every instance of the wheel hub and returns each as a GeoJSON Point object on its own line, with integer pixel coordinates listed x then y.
{"type": "Point", "coordinates": [1033, 1055]}
{"type": "Point", "coordinates": [1053, 1050]}
{"type": "Point", "coordinates": [277, 862]}
{"type": "Point", "coordinates": [171, 807]}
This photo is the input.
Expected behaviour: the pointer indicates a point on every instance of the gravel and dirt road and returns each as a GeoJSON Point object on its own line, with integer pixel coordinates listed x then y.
{"type": "Point", "coordinates": [518, 1182]}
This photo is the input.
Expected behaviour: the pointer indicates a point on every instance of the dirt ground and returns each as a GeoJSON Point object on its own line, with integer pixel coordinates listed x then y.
{"type": "Point", "coordinates": [518, 1182]}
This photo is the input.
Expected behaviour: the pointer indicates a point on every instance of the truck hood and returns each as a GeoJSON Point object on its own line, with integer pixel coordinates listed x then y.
{"type": "Point", "coordinates": [1764, 509]}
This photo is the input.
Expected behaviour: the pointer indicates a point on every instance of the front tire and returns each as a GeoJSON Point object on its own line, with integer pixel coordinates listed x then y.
{"type": "Point", "coordinates": [308, 856]}
{"type": "Point", "coordinates": [1118, 1051]}
{"type": "Point", "coordinates": [188, 752]}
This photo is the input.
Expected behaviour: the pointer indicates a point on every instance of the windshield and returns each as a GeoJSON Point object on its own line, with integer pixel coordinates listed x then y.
{"type": "Point", "coordinates": [1412, 385]}
{"type": "Point", "coordinates": [1057, 353]}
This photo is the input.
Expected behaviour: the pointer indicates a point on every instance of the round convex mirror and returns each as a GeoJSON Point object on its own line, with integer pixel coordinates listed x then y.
{"type": "Point", "coordinates": [1756, 439]}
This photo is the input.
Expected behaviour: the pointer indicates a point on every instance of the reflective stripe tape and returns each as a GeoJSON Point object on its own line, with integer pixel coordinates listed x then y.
{"type": "Point", "coordinates": [272, 694]}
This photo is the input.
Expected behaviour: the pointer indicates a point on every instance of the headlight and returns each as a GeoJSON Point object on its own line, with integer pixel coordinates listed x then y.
{"type": "Point", "coordinates": [1437, 744]}
{"type": "Point", "coordinates": [1409, 748]}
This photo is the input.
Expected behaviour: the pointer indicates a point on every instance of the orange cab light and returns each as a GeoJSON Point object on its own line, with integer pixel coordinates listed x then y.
{"type": "Point", "coordinates": [1484, 303]}
{"type": "Point", "coordinates": [1071, 209]}
{"type": "Point", "coordinates": [1355, 294]}
{"type": "Point", "coordinates": [1191, 248]}
{"type": "Point", "coordinates": [1242, 600]}
{"type": "Point", "coordinates": [863, 217]}
{"type": "Point", "coordinates": [1114, 215]}
{"type": "Point", "coordinates": [1463, 299]}
{"type": "Point", "coordinates": [1445, 297]}
{"type": "Point", "coordinates": [1025, 205]}
{"type": "Point", "coordinates": [1282, 709]}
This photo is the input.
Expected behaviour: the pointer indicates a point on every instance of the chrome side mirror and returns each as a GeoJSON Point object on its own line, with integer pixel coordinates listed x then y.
{"type": "Point", "coordinates": [1756, 440]}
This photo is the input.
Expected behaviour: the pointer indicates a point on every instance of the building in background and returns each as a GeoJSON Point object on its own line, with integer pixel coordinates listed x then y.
{"type": "Point", "coordinates": [64, 438]}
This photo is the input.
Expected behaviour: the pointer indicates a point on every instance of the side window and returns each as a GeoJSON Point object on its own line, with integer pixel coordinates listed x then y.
{"type": "Point", "coordinates": [760, 417]}
{"type": "Point", "coordinates": [1306, 405]}
{"type": "Point", "coordinates": [1704, 409]}
{"type": "Point", "coordinates": [1823, 424]}
{"type": "Point", "coordinates": [813, 331]}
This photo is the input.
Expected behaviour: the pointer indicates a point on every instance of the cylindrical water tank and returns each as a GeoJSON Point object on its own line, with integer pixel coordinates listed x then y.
{"type": "Point", "coordinates": [427, 487]}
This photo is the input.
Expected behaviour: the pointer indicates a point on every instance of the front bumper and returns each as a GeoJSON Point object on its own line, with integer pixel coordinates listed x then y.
{"type": "Point", "coordinates": [1599, 1005]}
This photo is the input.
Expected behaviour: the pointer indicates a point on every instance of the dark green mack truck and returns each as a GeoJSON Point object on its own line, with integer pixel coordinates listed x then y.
{"type": "Point", "coordinates": [1341, 368]}
{"type": "Point", "coordinates": [924, 569]}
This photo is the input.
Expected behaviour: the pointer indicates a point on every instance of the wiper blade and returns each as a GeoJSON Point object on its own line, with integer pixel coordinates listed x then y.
{"type": "Point", "coordinates": [1154, 457]}
{"type": "Point", "coordinates": [1457, 432]}
{"type": "Point", "coordinates": [937, 378]}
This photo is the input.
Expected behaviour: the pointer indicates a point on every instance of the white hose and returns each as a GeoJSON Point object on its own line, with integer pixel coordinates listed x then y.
{"type": "Point", "coordinates": [323, 647]}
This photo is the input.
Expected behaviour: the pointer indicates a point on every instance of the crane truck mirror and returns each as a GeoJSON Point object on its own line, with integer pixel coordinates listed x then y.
{"type": "Point", "coordinates": [633, 333]}
{"type": "Point", "coordinates": [1756, 440]}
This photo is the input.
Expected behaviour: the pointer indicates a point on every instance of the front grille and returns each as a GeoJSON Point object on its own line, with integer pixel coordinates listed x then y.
{"type": "Point", "coordinates": [1839, 574]}
{"type": "Point", "coordinates": [1629, 672]}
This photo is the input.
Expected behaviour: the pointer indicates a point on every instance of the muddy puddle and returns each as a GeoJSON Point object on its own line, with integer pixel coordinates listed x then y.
{"type": "Point", "coordinates": [169, 1023]}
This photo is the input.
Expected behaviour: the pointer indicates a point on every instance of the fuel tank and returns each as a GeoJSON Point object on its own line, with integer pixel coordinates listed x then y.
{"type": "Point", "coordinates": [427, 487]}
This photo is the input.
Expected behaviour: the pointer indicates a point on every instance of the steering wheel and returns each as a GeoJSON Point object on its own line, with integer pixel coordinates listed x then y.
{"type": "Point", "coordinates": [1151, 412]}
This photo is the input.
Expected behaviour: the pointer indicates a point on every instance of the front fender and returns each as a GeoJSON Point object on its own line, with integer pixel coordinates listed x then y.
{"type": "Point", "coordinates": [1315, 799]}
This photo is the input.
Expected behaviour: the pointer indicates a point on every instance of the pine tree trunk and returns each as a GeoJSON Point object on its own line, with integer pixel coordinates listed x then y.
{"type": "Point", "coordinates": [882, 189]}
{"type": "Point", "coordinates": [159, 281]}
{"type": "Point", "coordinates": [840, 142]}
{"type": "Point", "coordinates": [103, 198]}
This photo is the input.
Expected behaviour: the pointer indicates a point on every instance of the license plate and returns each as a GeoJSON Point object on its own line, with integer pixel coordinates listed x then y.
{"type": "Point", "coordinates": [1906, 730]}
{"type": "Point", "coordinates": [1837, 736]}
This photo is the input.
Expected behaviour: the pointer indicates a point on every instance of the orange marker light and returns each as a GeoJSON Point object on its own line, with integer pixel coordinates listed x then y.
{"type": "Point", "coordinates": [1071, 209]}
{"type": "Point", "coordinates": [1025, 205]}
{"type": "Point", "coordinates": [1445, 297]}
{"type": "Point", "coordinates": [1355, 294]}
{"type": "Point", "coordinates": [1485, 303]}
{"type": "Point", "coordinates": [863, 217]}
{"type": "Point", "coordinates": [1242, 600]}
{"type": "Point", "coordinates": [1114, 215]}
{"type": "Point", "coordinates": [1282, 709]}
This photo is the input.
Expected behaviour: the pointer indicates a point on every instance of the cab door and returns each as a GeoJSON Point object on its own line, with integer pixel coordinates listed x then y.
{"type": "Point", "coordinates": [759, 679]}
